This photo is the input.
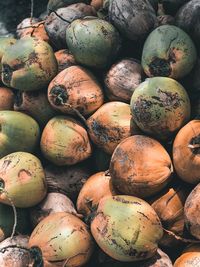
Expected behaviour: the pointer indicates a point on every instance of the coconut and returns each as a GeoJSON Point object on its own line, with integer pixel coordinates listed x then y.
{"type": "Point", "coordinates": [140, 166]}
{"type": "Point", "coordinates": [120, 239]}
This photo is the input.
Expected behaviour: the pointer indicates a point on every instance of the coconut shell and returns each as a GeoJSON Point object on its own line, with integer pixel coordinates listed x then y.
{"type": "Point", "coordinates": [169, 205]}
{"type": "Point", "coordinates": [25, 24]}
{"type": "Point", "coordinates": [29, 64]}
{"type": "Point", "coordinates": [24, 128]}
{"type": "Point", "coordinates": [22, 174]}
{"type": "Point", "coordinates": [140, 166]}
{"type": "Point", "coordinates": [160, 106]}
{"type": "Point", "coordinates": [5, 42]}
{"type": "Point", "coordinates": [97, 4]}
{"type": "Point", "coordinates": [169, 52]}
{"type": "Point", "coordinates": [87, 39]}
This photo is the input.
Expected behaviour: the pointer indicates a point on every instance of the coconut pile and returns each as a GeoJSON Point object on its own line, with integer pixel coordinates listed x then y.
{"type": "Point", "coordinates": [100, 135]}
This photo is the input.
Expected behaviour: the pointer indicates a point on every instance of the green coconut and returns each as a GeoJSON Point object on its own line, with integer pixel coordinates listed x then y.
{"type": "Point", "coordinates": [160, 106]}
{"type": "Point", "coordinates": [5, 42]}
{"type": "Point", "coordinates": [19, 132]}
{"type": "Point", "coordinates": [22, 180]}
{"type": "Point", "coordinates": [126, 228]}
{"type": "Point", "coordinates": [29, 64]}
{"type": "Point", "coordinates": [168, 51]}
{"type": "Point", "coordinates": [94, 42]}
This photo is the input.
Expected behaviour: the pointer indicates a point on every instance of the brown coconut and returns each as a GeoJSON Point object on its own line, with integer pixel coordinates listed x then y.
{"type": "Point", "coordinates": [140, 166]}
{"type": "Point", "coordinates": [186, 151]}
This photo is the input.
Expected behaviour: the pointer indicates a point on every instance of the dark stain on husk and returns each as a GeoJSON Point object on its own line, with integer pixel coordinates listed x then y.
{"type": "Point", "coordinates": [195, 141]}
{"type": "Point", "coordinates": [59, 95]}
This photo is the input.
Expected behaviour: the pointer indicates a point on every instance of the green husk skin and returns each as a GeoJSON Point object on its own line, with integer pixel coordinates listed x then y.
{"type": "Point", "coordinates": [22, 180]}
{"type": "Point", "coordinates": [160, 106]}
{"type": "Point", "coordinates": [5, 42]}
{"type": "Point", "coordinates": [126, 228]}
{"type": "Point", "coordinates": [169, 52]}
{"type": "Point", "coordinates": [93, 42]}
{"type": "Point", "coordinates": [18, 132]}
{"type": "Point", "coordinates": [29, 64]}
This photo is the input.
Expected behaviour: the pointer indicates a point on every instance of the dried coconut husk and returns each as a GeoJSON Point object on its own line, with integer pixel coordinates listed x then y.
{"type": "Point", "coordinates": [14, 252]}
{"type": "Point", "coordinates": [169, 205]}
{"type": "Point", "coordinates": [54, 202]}
{"type": "Point", "coordinates": [68, 179]}
{"type": "Point", "coordinates": [57, 21]}
{"type": "Point", "coordinates": [122, 78]}
{"type": "Point", "coordinates": [25, 24]}
{"type": "Point", "coordinates": [35, 30]}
